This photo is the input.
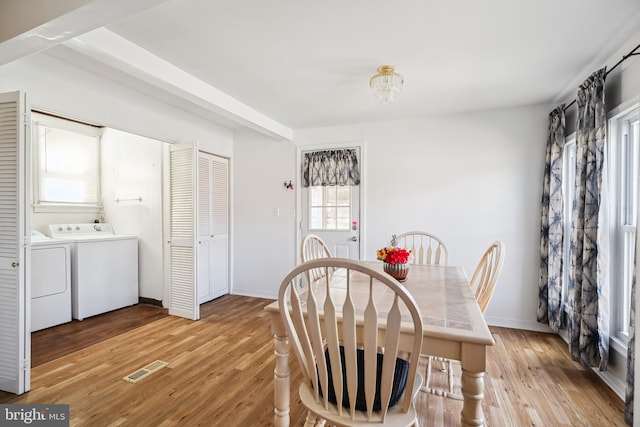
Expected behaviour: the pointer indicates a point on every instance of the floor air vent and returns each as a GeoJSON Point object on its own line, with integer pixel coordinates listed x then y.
{"type": "Point", "coordinates": [144, 372]}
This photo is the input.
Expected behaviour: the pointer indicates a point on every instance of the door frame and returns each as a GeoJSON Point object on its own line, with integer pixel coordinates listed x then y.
{"type": "Point", "coordinates": [360, 144]}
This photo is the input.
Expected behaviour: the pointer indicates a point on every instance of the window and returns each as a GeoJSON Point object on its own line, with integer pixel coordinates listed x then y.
{"type": "Point", "coordinates": [66, 162]}
{"type": "Point", "coordinates": [623, 177]}
{"type": "Point", "coordinates": [330, 207]}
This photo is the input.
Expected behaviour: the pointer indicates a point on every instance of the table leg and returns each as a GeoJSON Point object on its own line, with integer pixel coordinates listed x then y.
{"type": "Point", "coordinates": [281, 373]}
{"type": "Point", "coordinates": [473, 393]}
{"type": "Point", "coordinates": [474, 365]}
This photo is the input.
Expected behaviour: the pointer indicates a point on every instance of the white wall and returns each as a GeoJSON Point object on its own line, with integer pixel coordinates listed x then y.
{"type": "Point", "coordinates": [132, 168]}
{"type": "Point", "coordinates": [264, 244]}
{"type": "Point", "coordinates": [470, 178]}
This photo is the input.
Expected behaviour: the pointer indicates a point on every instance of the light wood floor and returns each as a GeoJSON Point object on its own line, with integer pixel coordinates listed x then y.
{"type": "Point", "coordinates": [220, 373]}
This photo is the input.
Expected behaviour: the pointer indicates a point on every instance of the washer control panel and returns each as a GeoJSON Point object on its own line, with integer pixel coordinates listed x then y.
{"type": "Point", "coordinates": [68, 230]}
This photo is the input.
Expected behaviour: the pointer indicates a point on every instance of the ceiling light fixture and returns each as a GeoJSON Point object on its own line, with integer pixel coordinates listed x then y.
{"type": "Point", "coordinates": [386, 84]}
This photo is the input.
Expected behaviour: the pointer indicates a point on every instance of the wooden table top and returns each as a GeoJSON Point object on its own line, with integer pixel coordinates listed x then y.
{"type": "Point", "coordinates": [446, 302]}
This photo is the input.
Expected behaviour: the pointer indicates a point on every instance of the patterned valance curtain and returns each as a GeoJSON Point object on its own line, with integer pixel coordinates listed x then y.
{"type": "Point", "coordinates": [551, 226]}
{"type": "Point", "coordinates": [588, 324]}
{"type": "Point", "coordinates": [331, 167]}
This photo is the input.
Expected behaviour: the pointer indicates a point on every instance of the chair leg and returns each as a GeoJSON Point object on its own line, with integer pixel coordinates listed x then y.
{"type": "Point", "coordinates": [313, 420]}
{"type": "Point", "coordinates": [427, 377]}
{"type": "Point", "coordinates": [445, 365]}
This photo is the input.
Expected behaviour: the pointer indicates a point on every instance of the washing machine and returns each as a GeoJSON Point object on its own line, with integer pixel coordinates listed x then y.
{"type": "Point", "coordinates": [104, 267]}
{"type": "Point", "coordinates": [50, 282]}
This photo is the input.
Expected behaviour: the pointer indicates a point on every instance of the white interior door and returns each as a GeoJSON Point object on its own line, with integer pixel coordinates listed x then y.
{"type": "Point", "coordinates": [220, 226]}
{"type": "Point", "coordinates": [183, 300]}
{"type": "Point", "coordinates": [213, 227]}
{"type": "Point", "coordinates": [15, 314]}
{"type": "Point", "coordinates": [333, 213]}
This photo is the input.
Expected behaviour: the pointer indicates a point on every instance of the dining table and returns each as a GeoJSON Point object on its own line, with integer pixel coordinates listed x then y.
{"type": "Point", "coordinates": [453, 328]}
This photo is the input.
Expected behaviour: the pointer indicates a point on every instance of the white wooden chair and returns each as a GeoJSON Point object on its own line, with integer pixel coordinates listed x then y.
{"type": "Point", "coordinates": [336, 343]}
{"type": "Point", "coordinates": [483, 282]}
{"type": "Point", "coordinates": [426, 248]}
{"type": "Point", "coordinates": [313, 247]}
{"type": "Point", "coordinates": [486, 275]}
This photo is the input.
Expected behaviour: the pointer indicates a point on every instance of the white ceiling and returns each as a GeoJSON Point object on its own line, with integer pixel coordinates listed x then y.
{"type": "Point", "coordinates": [307, 64]}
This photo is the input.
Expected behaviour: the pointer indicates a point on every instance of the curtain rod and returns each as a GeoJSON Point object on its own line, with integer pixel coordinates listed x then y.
{"type": "Point", "coordinates": [45, 113]}
{"type": "Point", "coordinates": [624, 58]}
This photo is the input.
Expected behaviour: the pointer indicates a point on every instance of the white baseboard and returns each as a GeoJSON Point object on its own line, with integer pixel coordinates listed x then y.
{"type": "Point", "coordinates": [518, 324]}
{"type": "Point", "coordinates": [615, 384]}
{"type": "Point", "coordinates": [253, 293]}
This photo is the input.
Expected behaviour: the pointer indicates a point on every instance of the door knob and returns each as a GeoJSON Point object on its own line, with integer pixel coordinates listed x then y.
{"type": "Point", "coordinates": [354, 239]}
{"type": "Point", "coordinates": [14, 264]}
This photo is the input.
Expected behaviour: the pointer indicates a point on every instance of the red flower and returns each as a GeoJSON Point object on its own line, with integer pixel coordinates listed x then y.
{"type": "Point", "coordinates": [393, 255]}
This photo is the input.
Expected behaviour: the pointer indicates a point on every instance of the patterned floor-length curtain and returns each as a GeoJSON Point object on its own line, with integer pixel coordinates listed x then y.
{"type": "Point", "coordinates": [551, 226]}
{"type": "Point", "coordinates": [631, 352]}
{"type": "Point", "coordinates": [631, 344]}
{"type": "Point", "coordinates": [588, 324]}
{"type": "Point", "coordinates": [331, 167]}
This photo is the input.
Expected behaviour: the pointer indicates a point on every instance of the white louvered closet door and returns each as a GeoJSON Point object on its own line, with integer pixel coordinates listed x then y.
{"type": "Point", "coordinates": [183, 170]}
{"type": "Point", "coordinates": [15, 337]}
{"type": "Point", "coordinates": [213, 226]}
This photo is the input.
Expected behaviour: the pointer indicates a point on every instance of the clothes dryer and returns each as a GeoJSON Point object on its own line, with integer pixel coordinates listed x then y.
{"type": "Point", "coordinates": [50, 282]}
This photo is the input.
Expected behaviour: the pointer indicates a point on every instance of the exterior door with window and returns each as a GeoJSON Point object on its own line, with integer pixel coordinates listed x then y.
{"type": "Point", "coordinates": [330, 199]}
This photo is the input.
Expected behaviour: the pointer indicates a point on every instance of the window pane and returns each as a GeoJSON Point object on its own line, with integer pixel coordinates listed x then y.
{"type": "Point", "coordinates": [631, 184]}
{"type": "Point", "coordinates": [330, 208]}
{"type": "Point", "coordinates": [623, 177]}
{"type": "Point", "coordinates": [316, 218]}
{"type": "Point", "coordinates": [330, 219]}
{"type": "Point", "coordinates": [331, 196]}
{"type": "Point", "coordinates": [63, 190]}
{"type": "Point", "coordinates": [344, 196]}
{"type": "Point", "coordinates": [343, 218]}
{"type": "Point", "coordinates": [627, 278]}
{"type": "Point", "coordinates": [315, 196]}
{"type": "Point", "coordinates": [67, 162]}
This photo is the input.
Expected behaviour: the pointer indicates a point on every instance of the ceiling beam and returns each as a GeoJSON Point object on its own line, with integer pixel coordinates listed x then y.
{"type": "Point", "coordinates": [118, 53]}
{"type": "Point", "coordinates": [32, 26]}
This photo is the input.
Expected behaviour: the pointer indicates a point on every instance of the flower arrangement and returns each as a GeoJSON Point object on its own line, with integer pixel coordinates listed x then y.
{"type": "Point", "coordinates": [393, 255]}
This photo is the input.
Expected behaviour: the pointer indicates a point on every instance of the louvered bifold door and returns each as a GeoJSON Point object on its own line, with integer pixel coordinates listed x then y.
{"type": "Point", "coordinates": [219, 226]}
{"type": "Point", "coordinates": [14, 338]}
{"type": "Point", "coordinates": [205, 232]}
{"type": "Point", "coordinates": [184, 294]}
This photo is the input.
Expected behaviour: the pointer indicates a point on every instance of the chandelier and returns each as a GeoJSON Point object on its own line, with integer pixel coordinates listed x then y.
{"type": "Point", "coordinates": [386, 84]}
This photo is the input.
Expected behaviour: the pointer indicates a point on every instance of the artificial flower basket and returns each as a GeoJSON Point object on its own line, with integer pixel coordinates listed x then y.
{"type": "Point", "coordinates": [396, 262]}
